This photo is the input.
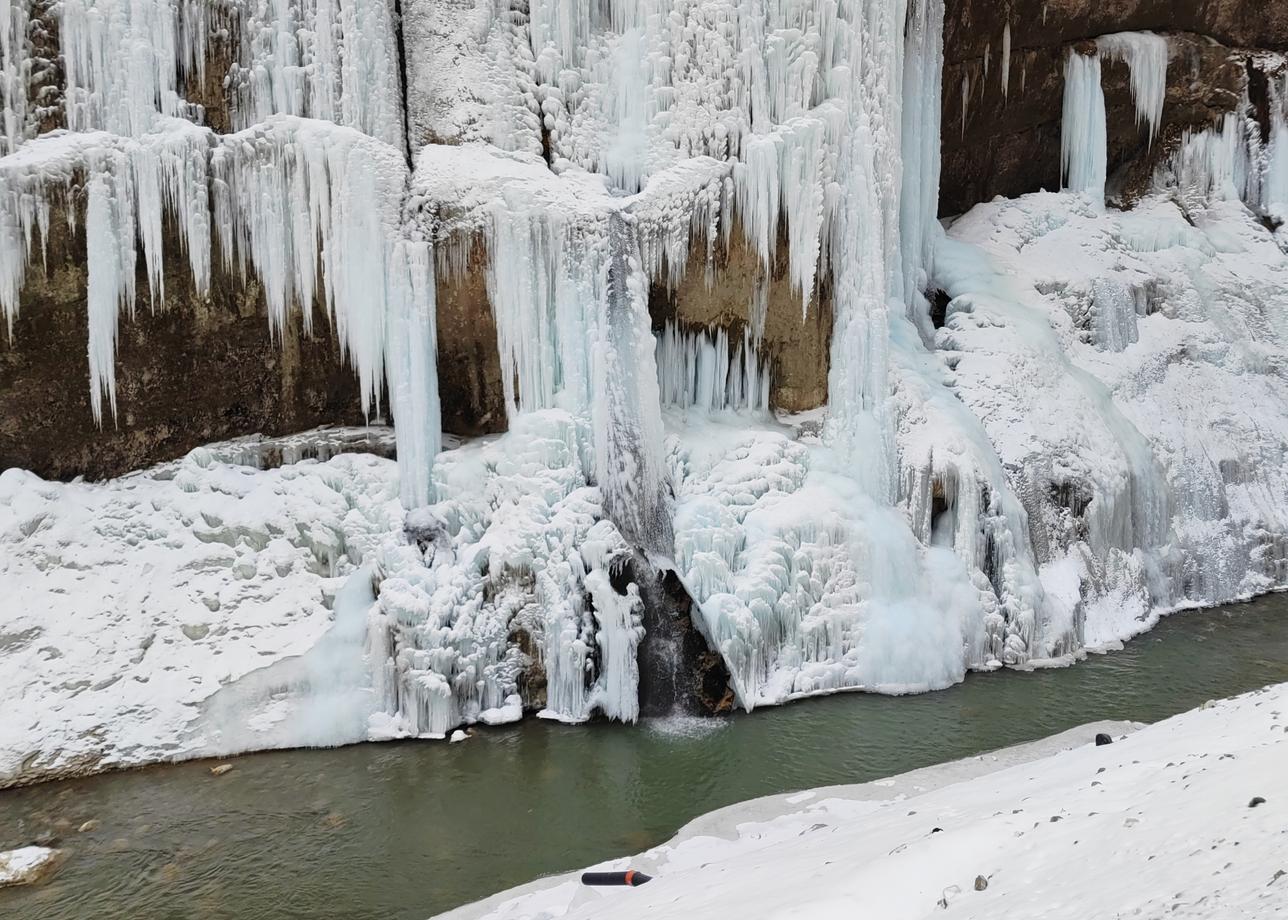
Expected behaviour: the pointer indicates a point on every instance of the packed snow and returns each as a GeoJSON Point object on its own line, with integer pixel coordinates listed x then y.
{"type": "Point", "coordinates": [1183, 818]}
{"type": "Point", "coordinates": [135, 607]}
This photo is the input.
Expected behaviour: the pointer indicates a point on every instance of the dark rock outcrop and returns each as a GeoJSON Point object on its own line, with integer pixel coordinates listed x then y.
{"type": "Point", "coordinates": [1009, 145]}
{"type": "Point", "coordinates": [198, 369]}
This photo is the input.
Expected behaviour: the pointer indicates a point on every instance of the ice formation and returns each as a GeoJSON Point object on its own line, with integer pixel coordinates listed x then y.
{"type": "Point", "coordinates": [1146, 57]}
{"type": "Point", "coordinates": [704, 370]}
{"type": "Point", "coordinates": [1084, 158]}
{"type": "Point", "coordinates": [1059, 458]}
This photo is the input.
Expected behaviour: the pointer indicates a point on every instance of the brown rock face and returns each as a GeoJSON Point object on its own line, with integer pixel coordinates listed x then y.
{"type": "Point", "coordinates": [196, 370]}
{"type": "Point", "coordinates": [996, 144]}
{"type": "Point", "coordinates": [797, 339]}
{"type": "Point", "coordinates": [469, 366]}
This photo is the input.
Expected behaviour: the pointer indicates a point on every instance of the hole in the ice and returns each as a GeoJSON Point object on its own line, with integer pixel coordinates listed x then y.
{"type": "Point", "coordinates": [1259, 96]}
{"type": "Point", "coordinates": [620, 573]}
{"type": "Point", "coordinates": [939, 301]}
{"type": "Point", "coordinates": [943, 513]}
{"type": "Point", "coordinates": [1073, 495]}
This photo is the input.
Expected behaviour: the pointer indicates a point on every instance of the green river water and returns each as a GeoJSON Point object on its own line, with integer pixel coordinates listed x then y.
{"type": "Point", "coordinates": [403, 831]}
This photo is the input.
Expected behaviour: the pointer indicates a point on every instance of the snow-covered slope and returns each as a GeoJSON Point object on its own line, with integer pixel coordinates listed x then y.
{"type": "Point", "coordinates": [1159, 823]}
{"type": "Point", "coordinates": [134, 610]}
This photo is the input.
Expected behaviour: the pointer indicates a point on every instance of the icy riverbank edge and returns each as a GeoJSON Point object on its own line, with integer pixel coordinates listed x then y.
{"type": "Point", "coordinates": [1161, 820]}
{"type": "Point", "coordinates": [199, 609]}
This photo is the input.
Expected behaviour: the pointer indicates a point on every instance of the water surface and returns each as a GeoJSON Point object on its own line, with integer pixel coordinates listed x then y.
{"type": "Point", "coordinates": [404, 831]}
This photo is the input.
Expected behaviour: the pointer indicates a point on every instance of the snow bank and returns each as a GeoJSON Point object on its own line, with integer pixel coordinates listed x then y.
{"type": "Point", "coordinates": [1157, 822]}
{"type": "Point", "coordinates": [131, 607]}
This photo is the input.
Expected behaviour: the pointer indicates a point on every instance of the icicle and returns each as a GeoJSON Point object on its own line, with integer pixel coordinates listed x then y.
{"type": "Point", "coordinates": [1146, 56]}
{"type": "Point", "coordinates": [123, 60]}
{"type": "Point", "coordinates": [1006, 61]}
{"type": "Point", "coordinates": [335, 60]}
{"type": "Point", "coordinates": [109, 234]}
{"type": "Point", "coordinates": [1084, 154]}
{"type": "Point", "coordinates": [697, 371]}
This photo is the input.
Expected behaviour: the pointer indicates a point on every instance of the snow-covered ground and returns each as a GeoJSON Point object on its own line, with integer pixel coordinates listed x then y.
{"type": "Point", "coordinates": [1160, 823]}
{"type": "Point", "coordinates": [134, 609]}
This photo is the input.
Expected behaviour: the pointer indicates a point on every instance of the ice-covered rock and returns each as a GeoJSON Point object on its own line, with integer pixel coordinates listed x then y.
{"type": "Point", "coordinates": [26, 865]}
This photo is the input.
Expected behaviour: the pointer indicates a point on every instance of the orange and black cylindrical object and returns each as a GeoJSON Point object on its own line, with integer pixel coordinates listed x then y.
{"type": "Point", "coordinates": [630, 878]}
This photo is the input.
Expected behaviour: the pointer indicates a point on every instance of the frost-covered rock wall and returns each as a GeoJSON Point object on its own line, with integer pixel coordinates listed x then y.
{"type": "Point", "coordinates": [1028, 429]}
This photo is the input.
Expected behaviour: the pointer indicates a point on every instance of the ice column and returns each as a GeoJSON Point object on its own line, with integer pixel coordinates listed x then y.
{"type": "Point", "coordinates": [14, 51]}
{"type": "Point", "coordinates": [922, 111]}
{"type": "Point", "coordinates": [1084, 157]}
{"type": "Point", "coordinates": [629, 435]}
{"type": "Point", "coordinates": [1274, 192]}
{"type": "Point", "coordinates": [412, 368]}
{"type": "Point", "coordinates": [866, 243]}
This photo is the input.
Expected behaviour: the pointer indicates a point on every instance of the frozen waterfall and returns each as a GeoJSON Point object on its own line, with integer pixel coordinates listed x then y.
{"type": "Point", "coordinates": [1046, 461]}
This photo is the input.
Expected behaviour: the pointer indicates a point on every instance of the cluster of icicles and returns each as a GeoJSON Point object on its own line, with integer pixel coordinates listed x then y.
{"type": "Point", "coordinates": [836, 113]}
{"type": "Point", "coordinates": [1231, 161]}
{"type": "Point", "coordinates": [651, 129]}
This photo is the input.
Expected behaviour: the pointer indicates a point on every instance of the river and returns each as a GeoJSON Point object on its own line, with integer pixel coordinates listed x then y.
{"type": "Point", "coordinates": [401, 831]}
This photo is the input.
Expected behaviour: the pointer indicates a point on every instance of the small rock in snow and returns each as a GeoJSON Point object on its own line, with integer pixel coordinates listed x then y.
{"type": "Point", "coordinates": [980, 883]}
{"type": "Point", "coordinates": [1256, 800]}
{"type": "Point", "coordinates": [1103, 739]}
{"type": "Point", "coordinates": [458, 735]}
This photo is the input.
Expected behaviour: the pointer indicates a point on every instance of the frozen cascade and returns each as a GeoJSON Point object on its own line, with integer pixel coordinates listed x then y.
{"type": "Point", "coordinates": [703, 370]}
{"type": "Point", "coordinates": [1084, 155]}
{"type": "Point", "coordinates": [991, 492]}
{"type": "Point", "coordinates": [627, 405]}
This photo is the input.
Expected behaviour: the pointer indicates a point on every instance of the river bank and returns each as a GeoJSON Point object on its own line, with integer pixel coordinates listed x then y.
{"type": "Point", "coordinates": [404, 830]}
{"type": "Point", "coordinates": [1183, 817]}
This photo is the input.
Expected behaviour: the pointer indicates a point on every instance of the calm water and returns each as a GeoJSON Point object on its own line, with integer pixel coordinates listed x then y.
{"type": "Point", "coordinates": [404, 831]}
